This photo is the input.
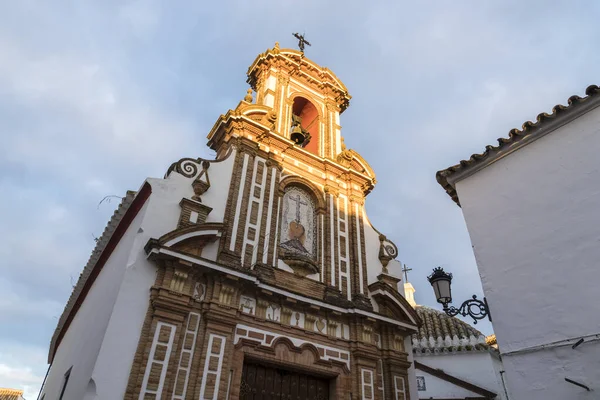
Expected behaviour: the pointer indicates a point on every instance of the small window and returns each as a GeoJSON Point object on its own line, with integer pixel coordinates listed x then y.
{"type": "Point", "coordinates": [421, 387]}
{"type": "Point", "coordinates": [66, 381]}
{"type": "Point", "coordinates": [400, 388]}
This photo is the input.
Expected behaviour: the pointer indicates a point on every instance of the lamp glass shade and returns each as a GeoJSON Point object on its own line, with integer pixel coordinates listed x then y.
{"type": "Point", "coordinates": [442, 290]}
{"type": "Point", "coordinates": [440, 281]}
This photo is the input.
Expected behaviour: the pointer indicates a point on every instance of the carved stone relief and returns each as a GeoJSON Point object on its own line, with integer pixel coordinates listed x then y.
{"type": "Point", "coordinates": [247, 305]}
{"type": "Point", "coordinates": [226, 295]}
{"type": "Point", "coordinates": [297, 319]}
{"type": "Point", "coordinates": [199, 291]}
{"type": "Point", "coordinates": [367, 334]}
{"type": "Point", "coordinates": [398, 343]}
{"type": "Point", "coordinates": [178, 281]}
{"type": "Point", "coordinates": [321, 325]}
{"type": "Point", "coordinates": [377, 337]}
{"type": "Point", "coordinates": [268, 310]}
{"type": "Point", "coordinates": [273, 313]}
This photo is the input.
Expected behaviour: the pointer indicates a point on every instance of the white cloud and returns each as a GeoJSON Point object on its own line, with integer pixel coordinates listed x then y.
{"type": "Point", "coordinates": [16, 367]}
{"type": "Point", "coordinates": [109, 113]}
{"type": "Point", "coordinates": [14, 305]}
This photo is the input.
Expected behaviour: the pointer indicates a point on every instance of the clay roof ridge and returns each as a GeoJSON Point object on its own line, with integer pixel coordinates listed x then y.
{"type": "Point", "coordinates": [10, 394]}
{"type": "Point", "coordinates": [441, 333]}
{"type": "Point", "coordinates": [514, 135]}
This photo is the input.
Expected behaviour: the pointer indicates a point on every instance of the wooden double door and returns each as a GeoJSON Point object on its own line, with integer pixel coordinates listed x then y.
{"type": "Point", "coordinates": [260, 382]}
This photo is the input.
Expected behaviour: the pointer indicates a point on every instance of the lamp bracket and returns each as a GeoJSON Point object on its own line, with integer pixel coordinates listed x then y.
{"type": "Point", "coordinates": [475, 308]}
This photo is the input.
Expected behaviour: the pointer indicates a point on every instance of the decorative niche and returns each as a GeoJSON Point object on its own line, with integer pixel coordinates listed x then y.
{"type": "Point", "coordinates": [298, 244]}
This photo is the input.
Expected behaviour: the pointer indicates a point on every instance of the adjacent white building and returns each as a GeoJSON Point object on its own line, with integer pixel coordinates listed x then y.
{"type": "Point", "coordinates": [532, 208]}
{"type": "Point", "coordinates": [452, 359]}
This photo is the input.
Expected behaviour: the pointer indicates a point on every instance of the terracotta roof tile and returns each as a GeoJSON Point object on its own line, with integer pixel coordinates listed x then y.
{"type": "Point", "coordinates": [514, 135]}
{"type": "Point", "coordinates": [10, 394]}
{"type": "Point", "coordinates": [440, 333]}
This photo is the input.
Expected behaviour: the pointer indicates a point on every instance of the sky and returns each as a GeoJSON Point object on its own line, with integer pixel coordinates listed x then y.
{"type": "Point", "coordinates": [95, 96]}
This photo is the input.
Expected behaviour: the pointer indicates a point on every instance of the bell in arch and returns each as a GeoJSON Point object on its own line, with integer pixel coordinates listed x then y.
{"type": "Point", "coordinates": [298, 135]}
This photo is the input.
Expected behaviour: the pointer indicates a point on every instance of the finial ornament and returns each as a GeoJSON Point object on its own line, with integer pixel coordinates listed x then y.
{"type": "Point", "coordinates": [248, 97]}
{"type": "Point", "coordinates": [301, 41]}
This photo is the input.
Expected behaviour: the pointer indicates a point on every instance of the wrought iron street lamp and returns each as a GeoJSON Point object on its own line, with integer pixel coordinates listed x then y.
{"type": "Point", "coordinates": [476, 309]}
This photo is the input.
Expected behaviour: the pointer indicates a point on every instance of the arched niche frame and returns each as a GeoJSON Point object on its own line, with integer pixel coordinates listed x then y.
{"type": "Point", "coordinates": [302, 205]}
{"type": "Point", "coordinates": [310, 112]}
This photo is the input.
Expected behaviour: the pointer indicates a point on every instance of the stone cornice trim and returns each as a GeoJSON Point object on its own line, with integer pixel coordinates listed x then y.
{"type": "Point", "coordinates": [158, 250]}
{"type": "Point", "coordinates": [401, 302]}
{"type": "Point", "coordinates": [207, 229]}
{"type": "Point", "coordinates": [299, 67]}
{"type": "Point", "coordinates": [329, 165]}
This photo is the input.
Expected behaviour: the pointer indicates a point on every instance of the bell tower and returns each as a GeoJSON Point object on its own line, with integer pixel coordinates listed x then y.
{"type": "Point", "coordinates": [307, 98]}
{"type": "Point", "coordinates": [293, 163]}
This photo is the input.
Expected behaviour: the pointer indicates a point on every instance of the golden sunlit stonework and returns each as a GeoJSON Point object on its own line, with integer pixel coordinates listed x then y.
{"type": "Point", "coordinates": [270, 280]}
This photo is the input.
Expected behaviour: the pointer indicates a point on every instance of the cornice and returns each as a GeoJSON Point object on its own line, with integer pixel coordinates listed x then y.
{"type": "Point", "coordinates": [248, 277]}
{"type": "Point", "coordinates": [252, 137]}
{"type": "Point", "coordinates": [297, 66]}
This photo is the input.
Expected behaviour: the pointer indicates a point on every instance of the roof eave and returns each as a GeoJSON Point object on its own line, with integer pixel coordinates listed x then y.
{"type": "Point", "coordinates": [545, 124]}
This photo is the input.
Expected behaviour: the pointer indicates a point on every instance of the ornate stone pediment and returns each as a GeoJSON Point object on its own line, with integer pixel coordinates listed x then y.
{"type": "Point", "coordinates": [391, 302]}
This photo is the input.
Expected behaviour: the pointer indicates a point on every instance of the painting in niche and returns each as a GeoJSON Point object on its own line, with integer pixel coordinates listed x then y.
{"type": "Point", "coordinates": [298, 221]}
{"type": "Point", "coordinates": [421, 384]}
{"type": "Point", "coordinates": [297, 244]}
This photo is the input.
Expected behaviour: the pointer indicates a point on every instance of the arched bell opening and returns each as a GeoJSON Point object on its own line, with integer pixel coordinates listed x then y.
{"type": "Point", "coordinates": [304, 129]}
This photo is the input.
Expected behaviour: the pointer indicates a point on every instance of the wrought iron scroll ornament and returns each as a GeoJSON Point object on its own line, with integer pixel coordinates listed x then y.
{"type": "Point", "coordinates": [187, 167]}
{"type": "Point", "coordinates": [441, 281]}
{"type": "Point", "coordinates": [475, 308]}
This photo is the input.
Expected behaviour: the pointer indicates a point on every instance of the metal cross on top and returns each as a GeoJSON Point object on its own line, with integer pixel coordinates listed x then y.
{"type": "Point", "coordinates": [405, 269]}
{"type": "Point", "coordinates": [301, 41]}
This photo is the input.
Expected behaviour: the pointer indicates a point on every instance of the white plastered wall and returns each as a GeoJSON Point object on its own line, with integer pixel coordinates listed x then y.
{"type": "Point", "coordinates": [81, 343]}
{"type": "Point", "coordinates": [473, 367]}
{"type": "Point", "coordinates": [374, 266]}
{"type": "Point", "coordinates": [130, 310]}
{"type": "Point", "coordinates": [533, 218]}
{"type": "Point", "coordinates": [102, 339]}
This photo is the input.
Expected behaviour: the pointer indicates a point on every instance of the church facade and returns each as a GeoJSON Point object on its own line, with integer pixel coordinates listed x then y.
{"type": "Point", "coordinates": [256, 275]}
